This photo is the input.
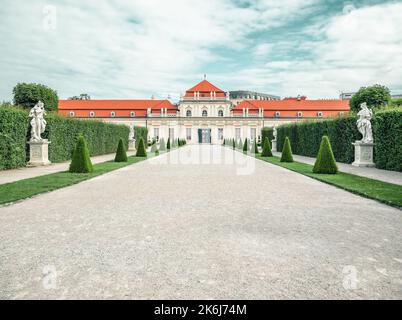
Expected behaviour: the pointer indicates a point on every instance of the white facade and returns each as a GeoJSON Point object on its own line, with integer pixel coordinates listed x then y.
{"type": "Point", "coordinates": [206, 115]}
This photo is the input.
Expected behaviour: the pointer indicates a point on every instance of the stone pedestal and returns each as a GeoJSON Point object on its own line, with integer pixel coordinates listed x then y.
{"type": "Point", "coordinates": [38, 153]}
{"type": "Point", "coordinates": [131, 144]}
{"type": "Point", "coordinates": [274, 146]}
{"type": "Point", "coordinates": [363, 154]}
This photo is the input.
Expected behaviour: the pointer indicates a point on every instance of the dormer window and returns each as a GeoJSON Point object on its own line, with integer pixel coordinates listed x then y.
{"type": "Point", "coordinates": [92, 114]}
{"type": "Point", "coordinates": [319, 114]}
{"type": "Point", "coordinates": [300, 114]}
{"type": "Point", "coordinates": [72, 114]}
{"type": "Point", "coordinates": [132, 114]}
{"type": "Point", "coordinates": [112, 114]}
{"type": "Point", "coordinates": [277, 114]}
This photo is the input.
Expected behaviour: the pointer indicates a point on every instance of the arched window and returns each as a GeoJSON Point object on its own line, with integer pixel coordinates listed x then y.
{"type": "Point", "coordinates": [204, 113]}
{"type": "Point", "coordinates": [188, 113]}
{"type": "Point", "coordinates": [220, 113]}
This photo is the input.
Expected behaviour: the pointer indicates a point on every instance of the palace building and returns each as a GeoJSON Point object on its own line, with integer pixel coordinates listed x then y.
{"type": "Point", "coordinates": [204, 114]}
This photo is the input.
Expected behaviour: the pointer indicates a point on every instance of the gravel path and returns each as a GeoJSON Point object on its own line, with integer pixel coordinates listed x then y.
{"type": "Point", "coordinates": [197, 223]}
{"type": "Point", "coordinates": [7, 176]}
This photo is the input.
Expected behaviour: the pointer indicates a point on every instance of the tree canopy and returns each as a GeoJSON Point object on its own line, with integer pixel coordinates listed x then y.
{"type": "Point", "coordinates": [28, 94]}
{"type": "Point", "coordinates": [376, 96]}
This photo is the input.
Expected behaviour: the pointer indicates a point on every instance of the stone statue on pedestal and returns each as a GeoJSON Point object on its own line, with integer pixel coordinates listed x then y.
{"type": "Point", "coordinates": [364, 155]}
{"type": "Point", "coordinates": [38, 147]}
{"type": "Point", "coordinates": [38, 122]}
{"type": "Point", "coordinates": [274, 146]}
{"type": "Point", "coordinates": [364, 124]}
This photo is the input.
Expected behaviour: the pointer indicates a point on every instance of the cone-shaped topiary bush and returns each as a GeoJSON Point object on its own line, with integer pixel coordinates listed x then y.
{"type": "Point", "coordinates": [81, 161]}
{"type": "Point", "coordinates": [168, 144]}
{"type": "Point", "coordinates": [162, 145]}
{"type": "Point", "coordinates": [240, 147]}
{"type": "Point", "coordinates": [255, 146]}
{"type": "Point", "coordinates": [121, 155]}
{"type": "Point", "coordinates": [154, 148]}
{"type": "Point", "coordinates": [245, 145]}
{"type": "Point", "coordinates": [266, 150]}
{"type": "Point", "coordinates": [287, 151]}
{"type": "Point", "coordinates": [141, 151]}
{"type": "Point", "coordinates": [233, 144]}
{"type": "Point", "coordinates": [325, 162]}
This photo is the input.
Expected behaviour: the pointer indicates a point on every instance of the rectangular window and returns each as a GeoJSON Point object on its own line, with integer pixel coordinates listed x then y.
{"type": "Point", "coordinates": [238, 134]}
{"type": "Point", "coordinates": [156, 134]}
{"type": "Point", "coordinates": [171, 134]}
{"type": "Point", "coordinates": [188, 133]}
{"type": "Point", "coordinates": [220, 133]}
{"type": "Point", "coordinates": [252, 133]}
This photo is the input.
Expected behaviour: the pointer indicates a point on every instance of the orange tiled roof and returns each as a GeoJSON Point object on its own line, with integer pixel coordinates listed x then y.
{"type": "Point", "coordinates": [114, 104]}
{"type": "Point", "coordinates": [205, 86]}
{"type": "Point", "coordinates": [302, 105]}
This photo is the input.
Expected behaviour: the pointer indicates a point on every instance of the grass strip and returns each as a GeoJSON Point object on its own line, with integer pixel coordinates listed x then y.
{"type": "Point", "coordinates": [22, 189]}
{"type": "Point", "coordinates": [384, 192]}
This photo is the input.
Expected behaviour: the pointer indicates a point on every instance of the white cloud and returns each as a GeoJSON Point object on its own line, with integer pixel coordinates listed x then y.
{"type": "Point", "coordinates": [132, 49]}
{"type": "Point", "coordinates": [125, 49]}
{"type": "Point", "coordinates": [360, 47]}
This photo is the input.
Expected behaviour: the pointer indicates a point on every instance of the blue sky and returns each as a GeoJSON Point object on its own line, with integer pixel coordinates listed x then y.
{"type": "Point", "coordinates": [135, 49]}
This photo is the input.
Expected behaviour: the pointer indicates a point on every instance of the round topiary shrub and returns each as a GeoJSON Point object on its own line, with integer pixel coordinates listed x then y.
{"type": "Point", "coordinates": [287, 151]}
{"type": "Point", "coordinates": [266, 150]}
{"type": "Point", "coordinates": [325, 162]}
{"type": "Point", "coordinates": [121, 155]}
{"type": "Point", "coordinates": [81, 161]}
{"type": "Point", "coordinates": [141, 151]}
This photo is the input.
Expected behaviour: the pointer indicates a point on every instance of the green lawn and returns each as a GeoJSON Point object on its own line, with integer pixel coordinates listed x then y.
{"type": "Point", "coordinates": [22, 189]}
{"type": "Point", "coordinates": [385, 192]}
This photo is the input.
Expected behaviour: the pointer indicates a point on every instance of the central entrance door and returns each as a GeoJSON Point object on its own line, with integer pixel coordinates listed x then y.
{"type": "Point", "coordinates": [204, 135]}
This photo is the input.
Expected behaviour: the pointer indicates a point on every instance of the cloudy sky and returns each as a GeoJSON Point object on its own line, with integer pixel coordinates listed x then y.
{"type": "Point", "coordinates": [138, 48]}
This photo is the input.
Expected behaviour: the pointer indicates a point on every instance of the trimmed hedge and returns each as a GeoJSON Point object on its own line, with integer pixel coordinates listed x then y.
{"type": "Point", "coordinates": [245, 146]}
{"type": "Point", "coordinates": [287, 151]}
{"type": "Point", "coordinates": [81, 161]}
{"type": "Point", "coordinates": [306, 136]}
{"type": "Point", "coordinates": [140, 132]}
{"type": "Point", "coordinates": [325, 162]}
{"type": "Point", "coordinates": [267, 133]}
{"type": "Point", "coordinates": [141, 151]}
{"type": "Point", "coordinates": [63, 133]}
{"type": "Point", "coordinates": [101, 138]}
{"type": "Point", "coordinates": [387, 131]}
{"type": "Point", "coordinates": [121, 155]}
{"type": "Point", "coordinates": [266, 150]}
{"type": "Point", "coordinates": [14, 126]}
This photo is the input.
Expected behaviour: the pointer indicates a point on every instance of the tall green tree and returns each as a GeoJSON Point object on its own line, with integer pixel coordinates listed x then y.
{"type": "Point", "coordinates": [376, 96]}
{"type": "Point", "coordinates": [82, 96]}
{"type": "Point", "coordinates": [28, 94]}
